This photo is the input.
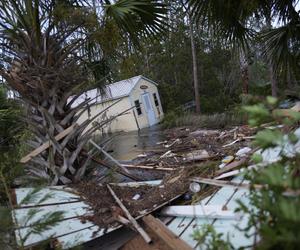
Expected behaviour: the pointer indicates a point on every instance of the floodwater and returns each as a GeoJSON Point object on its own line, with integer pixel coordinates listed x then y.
{"type": "Point", "coordinates": [127, 146]}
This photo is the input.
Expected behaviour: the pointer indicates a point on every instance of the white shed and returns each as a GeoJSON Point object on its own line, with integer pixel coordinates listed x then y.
{"type": "Point", "coordinates": [136, 105]}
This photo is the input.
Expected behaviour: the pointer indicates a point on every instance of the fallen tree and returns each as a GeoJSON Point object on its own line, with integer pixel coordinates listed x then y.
{"type": "Point", "coordinates": [47, 49]}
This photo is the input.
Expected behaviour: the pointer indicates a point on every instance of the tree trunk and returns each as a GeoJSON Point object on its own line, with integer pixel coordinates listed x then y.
{"type": "Point", "coordinates": [273, 81]}
{"type": "Point", "coordinates": [289, 79]}
{"type": "Point", "coordinates": [244, 72]}
{"type": "Point", "coordinates": [61, 163]}
{"type": "Point", "coordinates": [195, 68]}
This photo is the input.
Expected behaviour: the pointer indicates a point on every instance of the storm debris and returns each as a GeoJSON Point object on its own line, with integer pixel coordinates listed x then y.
{"type": "Point", "coordinates": [198, 154]}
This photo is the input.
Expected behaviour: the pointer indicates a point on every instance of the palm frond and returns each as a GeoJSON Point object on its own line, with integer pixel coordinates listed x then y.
{"type": "Point", "coordinates": [282, 46]}
{"type": "Point", "coordinates": [227, 19]}
{"type": "Point", "coordinates": [143, 17]}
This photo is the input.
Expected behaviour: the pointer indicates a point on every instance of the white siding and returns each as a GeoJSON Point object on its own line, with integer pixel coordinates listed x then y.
{"type": "Point", "coordinates": [136, 95]}
{"type": "Point", "coordinates": [126, 122]}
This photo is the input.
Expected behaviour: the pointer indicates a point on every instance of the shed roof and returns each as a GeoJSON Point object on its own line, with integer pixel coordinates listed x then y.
{"type": "Point", "coordinates": [111, 91]}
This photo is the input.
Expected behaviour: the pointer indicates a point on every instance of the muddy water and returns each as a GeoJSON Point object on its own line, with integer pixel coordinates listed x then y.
{"type": "Point", "coordinates": [127, 146]}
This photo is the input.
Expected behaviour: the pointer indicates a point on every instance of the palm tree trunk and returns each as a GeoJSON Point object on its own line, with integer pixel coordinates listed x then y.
{"type": "Point", "coordinates": [61, 163]}
{"type": "Point", "coordinates": [47, 86]}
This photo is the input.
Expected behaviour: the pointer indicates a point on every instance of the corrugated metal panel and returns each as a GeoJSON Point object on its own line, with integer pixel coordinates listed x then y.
{"type": "Point", "coordinates": [80, 237]}
{"type": "Point", "coordinates": [70, 231]}
{"type": "Point", "coordinates": [62, 228]}
{"type": "Point", "coordinates": [110, 92]}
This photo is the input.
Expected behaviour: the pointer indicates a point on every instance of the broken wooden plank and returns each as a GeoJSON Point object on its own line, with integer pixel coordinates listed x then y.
{"type": "Point", "coordinates": [197, 155]}
{"type": "Point", "coordinates": [166, 154]}
{"type": "Point", "coordinates": [47, 144]}
{"type": "Point", "coordinates": [148, 167]}
{"type": "Point", "coordinates": [165, 234]}
{"type": "Point", "coordinates": [199, 211]}
{"type": "Point", "coordinates": [123, 220]}
{"type": "Point", "coordinates": [138, 183]}
{"type": "Point", "coordinates": [118, 170]}
{"type": "Point", "coordinates": [235, 164]}
{"type": "Point", "coordinates": [170, 145]}
{"type": "Point", "coordinates": [231, 166]}
{"type": "Point", "coordinates": [204, 132]}
{"type": "Point", "coordinates": [129, 216]}
{"type": "Point", "coordinates": [239, 139]}
{"type": "Point", "coordinates": [109, 156]}
{"type": "Point", "coordinates": [229, 174]}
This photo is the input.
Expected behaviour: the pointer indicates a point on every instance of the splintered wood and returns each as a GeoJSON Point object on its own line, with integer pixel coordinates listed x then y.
{"type": "Point", "coordinates": [140, 230]}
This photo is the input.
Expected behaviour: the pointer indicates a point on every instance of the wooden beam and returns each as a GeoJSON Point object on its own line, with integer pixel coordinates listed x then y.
{"type": "Point", "coordinates": [231, 166]}
{"type": "Point", "coordinates": [149, 167]}
{"type": "Point", "coordinates": [165, 234]}
{"type": "Point", "coordinates": [236, 164]}
{"type": "Point", "coordinates": [123, 220]}
{"type": "Point", "coordinates": [47, 144]}
{"type": "Point", "coordinates": [109, 156]}
{"type": "Point", "coordinates": [118, 170]}
{"type": "Point", "coordinates": [140, 230]}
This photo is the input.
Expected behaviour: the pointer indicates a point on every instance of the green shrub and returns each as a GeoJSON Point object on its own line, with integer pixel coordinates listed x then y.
{"type": "Point", "coordinates": [213, 121]}
{"type": "Point", "coordinates": [272, 209]}
{"type": "Point", "coordinates": [171, 117]}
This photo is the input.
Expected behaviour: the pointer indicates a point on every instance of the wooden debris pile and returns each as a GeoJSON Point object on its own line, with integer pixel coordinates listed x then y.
{"type": "Point", "coordinates": [186, 146]}
{"type": "Point", "coordinates": [139, 200]}
{"type": "Point", "coordinates": [186, 157]}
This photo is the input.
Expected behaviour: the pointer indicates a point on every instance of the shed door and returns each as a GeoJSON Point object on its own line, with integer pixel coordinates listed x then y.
{"type": "Point", "coordinates": [149, 109]}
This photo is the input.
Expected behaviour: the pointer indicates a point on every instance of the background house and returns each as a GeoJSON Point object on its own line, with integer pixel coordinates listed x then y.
{"type": "Point", "coordinates": [137, 105]}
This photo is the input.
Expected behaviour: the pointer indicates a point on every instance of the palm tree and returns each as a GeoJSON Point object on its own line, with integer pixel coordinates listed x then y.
{"type": "Point", "coordinates": [229, 20]}
{"type": "Point", "coordinates": [44, 54]}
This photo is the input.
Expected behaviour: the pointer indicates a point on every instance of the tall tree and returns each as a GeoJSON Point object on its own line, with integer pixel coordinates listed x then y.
{"type": "Point", "coordinates": [244, 65]}
{"type": "Point", "coordinates": [194, 56]}
{"type": "Point", "coordinates": [195, 67]}
{"type": "Point", "coordinates": [47, 46]}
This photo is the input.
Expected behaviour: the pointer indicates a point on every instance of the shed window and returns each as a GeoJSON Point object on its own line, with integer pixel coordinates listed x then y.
{"type": "Point", "coordinates": [155, 99]}
{"type": "Point", "coordinates": [138, 107]}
